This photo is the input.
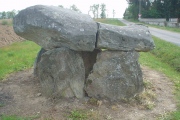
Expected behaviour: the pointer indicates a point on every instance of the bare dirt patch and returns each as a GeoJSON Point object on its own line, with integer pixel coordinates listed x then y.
{"type": "Point", "coordinates": [20, 95]}
{"type": "Point", "coordinates": [7, 34]}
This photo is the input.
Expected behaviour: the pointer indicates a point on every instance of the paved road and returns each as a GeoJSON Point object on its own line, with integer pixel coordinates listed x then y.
{"type": "Point", "coordinates": [163, 34]}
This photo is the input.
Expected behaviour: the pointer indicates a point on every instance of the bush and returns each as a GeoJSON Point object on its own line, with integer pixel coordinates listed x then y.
{"type": "Point", "coordinates": [4, 22]}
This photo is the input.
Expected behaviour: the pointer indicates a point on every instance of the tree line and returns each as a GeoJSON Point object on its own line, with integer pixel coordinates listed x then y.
{"type": "Point", "coordinates": [153, 9]}
{"type": "Point", "coordinates": [8, 14]}
{"type": "Point", "coordinates": [95, 10]}
{"type": "Point", "coordinates": [98, 11]}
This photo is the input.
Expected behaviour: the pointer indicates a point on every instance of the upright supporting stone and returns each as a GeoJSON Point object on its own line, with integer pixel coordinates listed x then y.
{"type": "Point", "coordinates": [116, 75]}
{"type": "Point", "coordinates": [61, 73]}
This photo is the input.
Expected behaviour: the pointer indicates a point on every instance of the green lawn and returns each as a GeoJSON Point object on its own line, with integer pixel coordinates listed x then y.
{"type": "Point", "coordinates": [110, 21]}
{"type": "Point", "coordinates": [16, 57]}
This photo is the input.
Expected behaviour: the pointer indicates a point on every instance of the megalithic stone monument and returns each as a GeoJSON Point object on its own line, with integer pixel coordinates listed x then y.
{"type": "Point", "coordinates": [81, 56]}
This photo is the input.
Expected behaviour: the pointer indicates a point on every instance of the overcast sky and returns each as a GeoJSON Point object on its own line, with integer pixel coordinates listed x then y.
{"type": "Point", "coordinates": [118, 5]}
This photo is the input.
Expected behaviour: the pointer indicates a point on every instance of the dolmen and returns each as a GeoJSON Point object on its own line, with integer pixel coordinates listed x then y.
{"type": "Point", "coordinates": [81, 57]}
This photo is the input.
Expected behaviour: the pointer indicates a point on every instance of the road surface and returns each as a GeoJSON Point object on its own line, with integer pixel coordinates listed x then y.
{"type": "Point", "coordinates": [163, 34]}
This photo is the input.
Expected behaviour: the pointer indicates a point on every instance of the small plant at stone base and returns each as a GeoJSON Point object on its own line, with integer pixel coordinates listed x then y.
{"type": "Point", "coordinates": [93, 101]}
{"type": "Point", "coordinates": [77, 115]}
{"type": "Point", "coordinates": [2, 104]}
{"type": "Point", "coordinates": [147, 84]}
{"type": "Point", "coordinates": [147, 97]}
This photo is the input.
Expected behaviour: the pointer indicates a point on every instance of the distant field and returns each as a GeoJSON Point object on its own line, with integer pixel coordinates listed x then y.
{"type": "Point", "coordinates": [172, 29]}
{"type": "Point", "coordinates": [110, 21]}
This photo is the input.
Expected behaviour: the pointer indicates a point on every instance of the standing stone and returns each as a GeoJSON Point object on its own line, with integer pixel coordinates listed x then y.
{"type": "Point", "coordinates": [37, 60]}
{"type": "Point", "coordinates": [126, 38]}
{"type": "Point", "coordinates": [61, 73]}
{"type": "Point", "coordinates": [116, 75]}
{"type": "Point", "coordinates": [54, 27]}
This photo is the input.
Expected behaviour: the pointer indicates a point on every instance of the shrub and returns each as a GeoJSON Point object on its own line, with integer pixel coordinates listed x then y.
{"type": "Point", "coordinates": [4, 22]}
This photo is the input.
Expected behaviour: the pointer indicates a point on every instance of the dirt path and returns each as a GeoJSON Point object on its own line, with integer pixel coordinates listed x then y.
{"type": "Point", "coordinates": [20, 95]}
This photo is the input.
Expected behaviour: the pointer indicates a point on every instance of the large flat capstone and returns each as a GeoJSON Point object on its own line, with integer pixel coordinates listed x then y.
{"type": "Point", "coordinates": [53, 27]}
{"type": "Point", "coordinates": [126, 38]}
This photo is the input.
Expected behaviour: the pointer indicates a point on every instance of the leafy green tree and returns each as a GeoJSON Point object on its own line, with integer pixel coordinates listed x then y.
{"type": "Point", "coordinates": [103, 10]}
{"type": "Point", "coordinates": [157, 9]}
{"type": "Point", "coordinates": [74, 7]}
{"type": "Point", "coordinates": [94, 11]}
{"type": "Point", "coordinates": [113, 13]}
{"type": "Point", "coordinates": [3, 15]}
{"type": "Point", "coordinates": [97, 10]}
{"type": "Point", "coordinates": [10, 14]}
{"type": "Point", "coordinates": [61, 6]}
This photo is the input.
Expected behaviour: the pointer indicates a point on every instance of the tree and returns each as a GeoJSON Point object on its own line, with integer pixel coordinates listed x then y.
{"type": "Point", "coordinates": [103, 10]}
{"type": "Point", "coordinates": [113, 13]}
{"type": "Point", "coordinates": [94, 10]}
{"type": "Point", "coordinates": [3, 15]}
{"type": "Point", "coordinates": [10, 14]}
{"type": "Point", "coordinates": [74, 7]}
{"type": "Point", "coordinates": [61, 6]}
{"type": "Point", "coordinates": [156, 9]}
{"type": "Point", "coordinates": [97, 10]}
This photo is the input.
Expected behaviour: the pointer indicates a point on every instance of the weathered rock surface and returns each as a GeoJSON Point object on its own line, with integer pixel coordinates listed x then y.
{"type": "Point", "coordinates": [38, 59]}
{"type": "Point", "coordinates": [116, 75]}
{"type": "Point", "coordinates": [61, 73]}
{"type": "Point", "coordinates": [124, 38]}
{"type": "Point", "coordinates": [71, 62]}
{"type": "Point", "coordinates": [54, 27]}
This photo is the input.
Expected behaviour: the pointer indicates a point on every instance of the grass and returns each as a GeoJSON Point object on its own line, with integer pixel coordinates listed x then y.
{"type": "Point", "coordinates": [14, 117]}
{"type": "Point", "coordinates": [172, 29]}
{"type": "Point", "coordinates": [167, 53]}
{"type": "Point", "coordinates": [78, 115]}
{"type": "Point", "coordinates": [16, 57]}
{"type": "Point", "coordinates": [110, 21]}
{"type": "Point", "coordinates": [166, 28]}
{"type": "Point", "coordinates": [6, 22]}
{"type": "Point", "coordinates": [157, 62]}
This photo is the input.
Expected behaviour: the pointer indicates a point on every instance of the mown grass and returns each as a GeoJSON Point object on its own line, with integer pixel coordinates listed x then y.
{"type": "Point", "coordinates": [110, 21]}
{"type": "Point", "coordinates": [16, 57]}
{"type": "Point", "coordinates": [166, 28]}
{"type": "Point", "coordinates": [172, 29]}
{"type": "Point", "coordinates": [14, 117]}
{"type": "Point", "coordinates": [11, 118]}
{"type": "Point", "coordinates": [167, 53]}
